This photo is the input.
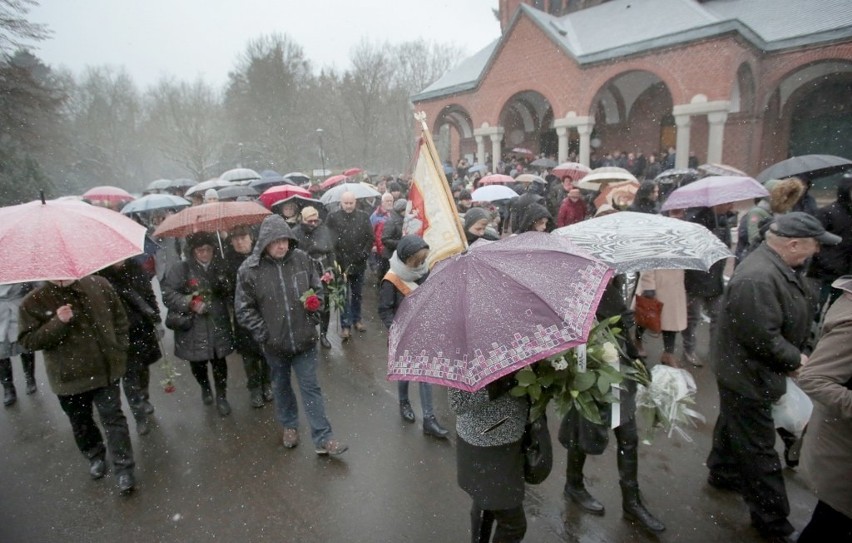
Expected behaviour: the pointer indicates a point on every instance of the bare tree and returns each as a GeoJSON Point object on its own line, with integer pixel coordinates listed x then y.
{"type": "Point", "coordinates": [16, 31]}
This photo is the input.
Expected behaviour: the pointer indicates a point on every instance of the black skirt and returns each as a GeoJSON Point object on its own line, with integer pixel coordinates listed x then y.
{"type": "Point", "coordinates": [492, 476]}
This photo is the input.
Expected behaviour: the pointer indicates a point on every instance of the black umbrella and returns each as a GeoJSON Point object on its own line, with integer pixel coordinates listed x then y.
{"type": "Point", "coordinates": [809, 166]}
{"type": "Point", "coordinates": [234, 192]}
{"type": "Point", "coordinates": [268, 182]}
{"type": "Point", "coordinates": [674, 176]}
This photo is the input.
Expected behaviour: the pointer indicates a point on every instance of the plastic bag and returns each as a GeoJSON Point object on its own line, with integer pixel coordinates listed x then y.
{"type": "Point", "coordinates": [793, 411]}
{"type": "Point", "coordinates": [667, 402]}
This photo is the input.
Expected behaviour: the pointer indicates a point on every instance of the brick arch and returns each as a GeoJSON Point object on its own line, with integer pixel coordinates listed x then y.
{"type": "Point", "coordinates": [456, 116]}
{"type": "Point", "coordinates": [586, 104]}
{"type": "Point", "coordinates": [508, 93]}
{"type": "Point", "coordinates": [785, 66]}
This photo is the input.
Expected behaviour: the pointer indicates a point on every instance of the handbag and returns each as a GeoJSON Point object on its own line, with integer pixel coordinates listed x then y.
{"type": "Point", "coordinates": [538, 451]}
{"type": "Point", "coordinates": [647, 313]}
{"type": "Point", "coordinates": [179, 321]}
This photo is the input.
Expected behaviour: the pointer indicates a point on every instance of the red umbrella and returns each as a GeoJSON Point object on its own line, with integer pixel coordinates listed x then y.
{"type": "Point", "coordinates": [353, 171]}
{"type": "Point", "coordinates": [574, 170]}
{"type": "Point", "coordinates": [107, 194]}
{"type": "Point", "coordinates": [332, 181]}
{"type": "Point", "coordinates": [62, 240]}
{"type": "Point", "coordinates": [497, 179]}
{"type": "Point", "coordinates": [281, 192]}
{"type": "Point", "coordinates": [212, 217]}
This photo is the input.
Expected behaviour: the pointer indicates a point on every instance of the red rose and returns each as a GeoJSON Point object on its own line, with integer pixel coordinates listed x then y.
{"type": "Point", "coordinates": [192, 283]}
{"type": "Point", "coordinates": [168, 389]}
{"type": "Point", "coordinates": [197, 299]}
{"type": "Point", "coordinates": [312, 303]}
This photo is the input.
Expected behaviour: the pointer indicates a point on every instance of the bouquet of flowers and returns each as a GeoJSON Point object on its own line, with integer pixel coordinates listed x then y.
{"type": "Point", "coordinates": [582, 378]}
{"type": "Point", "coordinates": [334, 282]}
{"type": "Point", "coordinates": [168, 381]}
{"type": "Point", "coordinates": [311, 301]}
{"type": "Point", "coordinates": [197, 294]}
{"type": "Point", "coordinates": [666, 402]}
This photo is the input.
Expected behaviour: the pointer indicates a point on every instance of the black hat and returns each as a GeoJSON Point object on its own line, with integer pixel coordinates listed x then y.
{"type": "Point", "coordinates": [408, 246]}
{"type": "Point", "coordinates": [797, 224]}
{"type": "Point", "coordinates": [198, 239]}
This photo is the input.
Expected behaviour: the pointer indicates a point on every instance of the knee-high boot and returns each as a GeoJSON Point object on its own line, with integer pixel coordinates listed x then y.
{"type": "Point", "coordinates": [628, 468]}
{"type": "Point", "coordinates": [575, 489]}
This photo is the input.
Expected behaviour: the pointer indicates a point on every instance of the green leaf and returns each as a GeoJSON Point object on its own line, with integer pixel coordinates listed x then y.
{"type": "Point", "coordinates": [604, 384]}
{"type": "Point", "coordinates": [518, 391]}
{"type": "Point", "coordinates": [534, 391]}
{"type": "Point", "coordinates": [547, 380]}
{"type": "Point", "coordinates": [584, 381]}
{"type": "Point", "coordinates": [526, 377]}
{"type": "Point", "coordinates": [537, 410]}
{"type": "Point", "coordinates": [589, 409]}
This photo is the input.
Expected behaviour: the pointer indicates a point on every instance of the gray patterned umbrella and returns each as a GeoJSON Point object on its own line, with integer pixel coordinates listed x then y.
{"type": "Point", "coordinates": [631, 242]}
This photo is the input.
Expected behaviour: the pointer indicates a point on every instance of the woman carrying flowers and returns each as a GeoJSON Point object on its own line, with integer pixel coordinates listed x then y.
{"type": "Point", "coordinates": [198, 286]}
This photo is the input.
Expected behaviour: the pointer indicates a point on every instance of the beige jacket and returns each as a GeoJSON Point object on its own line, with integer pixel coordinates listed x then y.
{"type": "Point", "coordinates": [668, 285]}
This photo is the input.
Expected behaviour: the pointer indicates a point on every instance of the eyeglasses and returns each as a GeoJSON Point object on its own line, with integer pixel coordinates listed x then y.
{"type": "Point", "coordinates": [312, 221]}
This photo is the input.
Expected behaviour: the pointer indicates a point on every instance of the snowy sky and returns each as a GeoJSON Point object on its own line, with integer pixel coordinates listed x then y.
{"type": "Point", "coordinates": [190, 38]}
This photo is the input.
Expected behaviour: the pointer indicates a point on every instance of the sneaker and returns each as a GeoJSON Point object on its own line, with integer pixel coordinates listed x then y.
{"type": "Point", "coordinates": [290, 438]}
{"type": "Point", "coordinates": [331, 447]}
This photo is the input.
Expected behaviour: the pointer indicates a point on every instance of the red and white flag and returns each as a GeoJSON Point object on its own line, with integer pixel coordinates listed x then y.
{"type": "Point", "coordinates": [431, 212]}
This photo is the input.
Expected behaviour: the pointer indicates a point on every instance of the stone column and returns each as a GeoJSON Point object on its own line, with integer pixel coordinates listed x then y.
{"type": "Point", "coordinates": [496, 146]}
{"type": "Point", "coordinates": [683, 122]}
{"type": "Point", "coordinates": [562, 132]}
{"type": "Point", "coordinates": [585, 131]}
{"type": "Point", "coordinates": [716, 135]}
{"type": "Point", "coordinates": [480, 149]}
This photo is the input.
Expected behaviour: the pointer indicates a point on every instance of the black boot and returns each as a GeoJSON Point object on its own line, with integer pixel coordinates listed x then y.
{"type": "Point", "coordinates": [628, 467]}
{"type": "Point", "coordinates": [9, 396]}
{"type": "Point", "coordinates": [206, 394]}
{"type": "Point", "coordinates": [575, 490]}
{"type": "Point", "coordinates": [28, 361]}
{"type": "Point", "coordinates": [405, 411]}
{"type": "Point", "coordinates": [431, 427]}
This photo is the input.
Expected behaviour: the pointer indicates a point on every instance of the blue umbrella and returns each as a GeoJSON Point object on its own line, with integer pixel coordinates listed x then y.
{"type": "Point", "coordinates": [155, 202]}
{"type": "Point", "coordinates": [477, 168]}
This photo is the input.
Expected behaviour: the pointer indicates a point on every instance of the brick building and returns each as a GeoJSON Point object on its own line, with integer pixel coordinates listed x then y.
{"type": "Point", "coordinates": [742, 82]}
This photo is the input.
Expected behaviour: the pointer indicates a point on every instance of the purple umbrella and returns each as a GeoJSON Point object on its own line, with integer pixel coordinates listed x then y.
{"type": "Point", "coordinates": [715, 190]}
{"type": "Point", "coordinates": [494, 309]}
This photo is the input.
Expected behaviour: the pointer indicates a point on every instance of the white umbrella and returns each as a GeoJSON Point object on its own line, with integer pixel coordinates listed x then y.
{"type": "Point", "coordinates": [360, 190]}
{"type": "Point", "coordinates": [492, 193]}
{"type": "Point", "coordinates": [598, 176]}
{"type": "Point", "coordinates": [204, 185]}
{"type": "Point", "coordinates": [154, 202]}
{"type": "Point", "coordinates": [239, 174]}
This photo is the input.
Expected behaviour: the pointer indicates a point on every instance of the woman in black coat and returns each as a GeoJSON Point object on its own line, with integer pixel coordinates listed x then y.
{"type": "Point", "coordinates": [133, 287]}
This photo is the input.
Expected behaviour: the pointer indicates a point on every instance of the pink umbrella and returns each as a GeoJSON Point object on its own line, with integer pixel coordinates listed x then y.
{"type": "Point", "coordinates": [715, 190]}
{"type": "Point", "coordinates": [107, 193]}
{"type": "Point", "coordinates": [352, 171]}
{"type": "Point", "coordinates": [574, 170]}
{"type": "Point", "coordinates": [281, 192]}
{"type": "Point", "coordinates": [494, 309]}
{"type": "Point", "coordinates": [332, 181]}
{"type": "Point", "coordinates": [497, 179]}
{"type": "Point", "coordinates": [212, 217]}
{"type": "Point", "coordinates": [63, 240]}
{"type": "Point", "coordinates": [522, 151]}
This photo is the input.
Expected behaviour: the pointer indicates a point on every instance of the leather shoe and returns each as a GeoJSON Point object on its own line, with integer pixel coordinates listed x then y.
{"type": "Point", "coordinates": [207, 396]}
{"type": "Point", "coordinates": [267, 393]}
{"type": "Point", "coordinates": [345, 334]}
{"type": "Point", "coordinates": [10, 396]}
{"type": "Point", "coordinates": [126, 483]}
{"type": "Point", "coordinates": [405, 411]}
{"type": "Point", "coordinates": [670, 360]}
{"type": "Point", "coordinates": [431, 427]}
{"type": "Point", "coordinates": [147, 407]}
{"type": "Point", "coordinates": [326, 344]}
{"type": "Point", "coordinates": [97, 468]}
{"type": "Point", "coordinates": [360, 326]}
{"type": "Point", "coordinates": [142, 426]}
{"type": "Point", "coordinates": [586, 501]}
{"type": "Point", "coordinates": [256, 398]}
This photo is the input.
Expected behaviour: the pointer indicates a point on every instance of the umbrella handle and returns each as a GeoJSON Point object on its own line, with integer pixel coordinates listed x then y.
{"type": "Point", "coordinates": [221, 249]}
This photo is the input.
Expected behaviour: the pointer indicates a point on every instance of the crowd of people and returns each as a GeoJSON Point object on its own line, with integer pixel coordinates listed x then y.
{"type": "Point", "coordinates": [266, 292]}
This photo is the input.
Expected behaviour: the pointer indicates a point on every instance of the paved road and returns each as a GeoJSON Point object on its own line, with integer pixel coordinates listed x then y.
{"type": "Point", "coordinates": [203, 477]}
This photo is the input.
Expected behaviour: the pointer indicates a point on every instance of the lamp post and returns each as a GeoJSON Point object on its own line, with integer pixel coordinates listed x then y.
{"type": "Point", "coordinates": [322, 155]}
{"type": "Point", "coordinates": [240, 145]}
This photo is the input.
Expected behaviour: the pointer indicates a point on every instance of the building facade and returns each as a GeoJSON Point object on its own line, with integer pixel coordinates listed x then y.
{"type": "Point", "coordinates": [741, 82]}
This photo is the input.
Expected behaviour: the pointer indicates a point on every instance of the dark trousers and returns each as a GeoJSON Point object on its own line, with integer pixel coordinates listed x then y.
{"type": "Point", "coordinates": [88, 437]}
{"type": "Point", "coordinates": [744, 452]}
{"type": "Point", "coordinates": [669, 338]}
{"type": "Point", "coordinates": [257, 371]}
{"type": "Point", "coordinates": [827, 524]}
{"type": "Point", "coordinates": [220, 374]}
{"type": "Point", "coordinates": [135, 384]}
{"type": "Point", "coordinates": [27, 361]}
{"type": "Point", "coordinates": [511, 524]}
{"type": "Point", "coordinates": [693, 317]}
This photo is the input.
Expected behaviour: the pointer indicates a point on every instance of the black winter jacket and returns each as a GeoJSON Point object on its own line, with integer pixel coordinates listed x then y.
{"type": "Point", "coordinates": [353, 239]}
{"type": "Point", "coordinates": [833, 261]}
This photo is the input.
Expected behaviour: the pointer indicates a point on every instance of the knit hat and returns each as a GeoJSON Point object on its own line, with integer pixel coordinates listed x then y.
{"type": "Point", "coordinates": [210, 195]}
{"type": "Point", "coordinates": [198, 239]}
{"type": "Point", "coordinates": [474, 215]}
{"type": "Point", "coordinates": [408, 246]}
{"type": "Point", "coordinates": [400, 205]}
{"type": "Point", "coordinates": [309, 212]}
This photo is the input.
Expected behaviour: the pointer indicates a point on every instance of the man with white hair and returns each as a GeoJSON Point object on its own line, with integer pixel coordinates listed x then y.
{"type": "Point", "coordinates": [763, 326]}
{"type": "Point", "coordinates": [353, 241]}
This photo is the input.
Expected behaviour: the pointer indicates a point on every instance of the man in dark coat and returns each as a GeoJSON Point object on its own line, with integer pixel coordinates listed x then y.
{"type": "Point", "coordinates": [833, 262]}
{"type": "Point", "coordinates": [268, 302]}
{"type": "Point", "coordinates": [353, 240]}
{"type": "Point", "coordinates": [257, 370]}
{"type": "Point", "coordinates": [81, 327]}
{"type": "Point", "coordinates": [315, 238]}
{"type": "Point", "coordinates": [763, 327]}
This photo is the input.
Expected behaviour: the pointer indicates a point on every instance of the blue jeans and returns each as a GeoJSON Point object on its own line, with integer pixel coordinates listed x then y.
{"type": "Point", "coordinates": [286, 410]}
{"type": "Point", "coordinates": [352, 310]}
{"type": "Point", "coordinates": [425, 396]}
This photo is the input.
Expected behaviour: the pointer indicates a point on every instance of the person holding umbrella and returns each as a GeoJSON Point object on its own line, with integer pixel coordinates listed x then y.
{"type": "Point", "coordinates": [198, 286]}
{"type": "Point", "coordinates": [408, 270]}
{"type": "Point", "coordinates": [82, 329]}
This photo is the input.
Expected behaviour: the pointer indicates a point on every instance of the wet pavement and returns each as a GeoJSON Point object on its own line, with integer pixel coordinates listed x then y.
{"type": "Point", "coordinates": [202, 477]}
